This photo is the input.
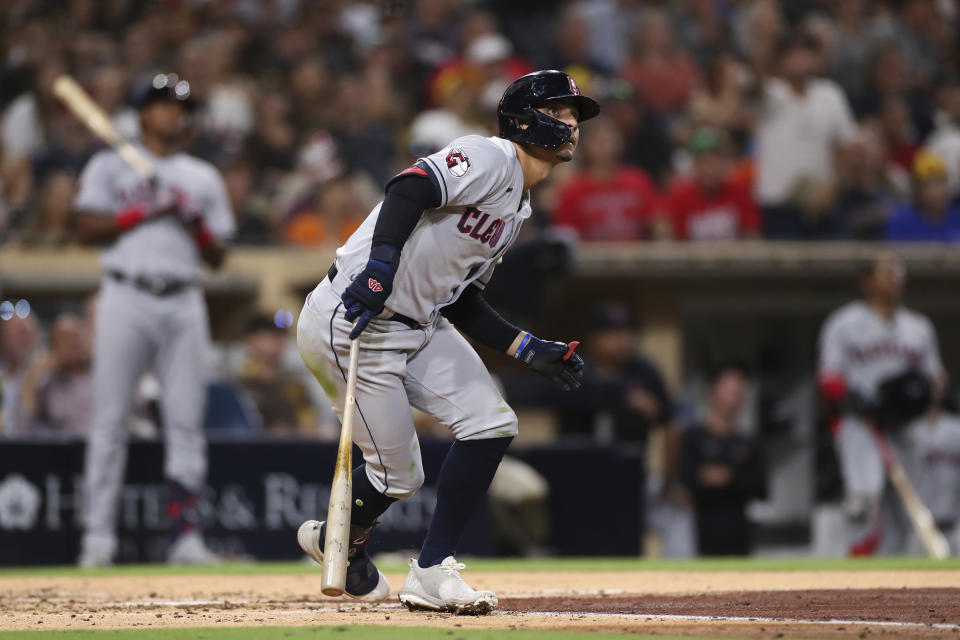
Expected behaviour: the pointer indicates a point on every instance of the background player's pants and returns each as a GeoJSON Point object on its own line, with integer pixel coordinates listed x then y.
{"type": "Point", "coordinates": [433, 369]}
{"type": "Point", "coordinates": [864, 482]}
{"type": "Point", "coordinates": [135, 330]}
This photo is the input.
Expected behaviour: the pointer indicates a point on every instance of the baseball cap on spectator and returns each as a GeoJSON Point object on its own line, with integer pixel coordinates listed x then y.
{"type": "Point", "coordinates": [610, 316]}
{"type": "Point", "coordinates": [928, 165]}
{"type": "Point", "coordinates": [798, 39]}
{"type": "Point", "coordinates": [433, 130]}
{"type": "Point", "coordinates": [704, 140]}
{"type": "Point", "coordinates": [488, 48]}
{"type": "Point", "coordinates": [261, 322]}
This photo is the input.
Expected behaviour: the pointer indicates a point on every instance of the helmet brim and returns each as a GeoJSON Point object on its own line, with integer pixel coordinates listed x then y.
{"type": "Point", "coordinates": [587, 107]}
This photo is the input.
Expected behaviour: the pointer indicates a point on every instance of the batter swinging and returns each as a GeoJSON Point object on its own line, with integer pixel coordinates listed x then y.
{"type": "Point", "coordinates": [411, 276]}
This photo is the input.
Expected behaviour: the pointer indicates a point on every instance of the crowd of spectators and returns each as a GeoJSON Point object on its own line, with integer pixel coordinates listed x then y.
{"type": "Point", "coordinates": [722, 119]}
{"type": "Point", "coordinates": [258, 386]}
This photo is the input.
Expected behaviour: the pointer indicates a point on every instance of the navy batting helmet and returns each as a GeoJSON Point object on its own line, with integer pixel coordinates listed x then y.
{"type": "Point", "coordinates": [162, 87]}
{"type": "Point", "coordinates": [517, 112]}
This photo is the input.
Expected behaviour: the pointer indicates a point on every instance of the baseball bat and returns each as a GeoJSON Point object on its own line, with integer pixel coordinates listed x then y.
{"type": "Point", "coordinates": [89, 113]}
{"type": "Point", "coordinates": [337, 540]}
{"type": "Point", "coordinates": [922, 520]}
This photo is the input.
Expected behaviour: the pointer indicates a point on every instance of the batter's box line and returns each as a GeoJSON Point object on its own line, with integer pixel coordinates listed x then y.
{"type": "Point", "coordinates": [654, 617]}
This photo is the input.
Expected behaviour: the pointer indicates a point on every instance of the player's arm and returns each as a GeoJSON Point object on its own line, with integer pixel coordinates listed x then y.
{"type": "Point", "coordinates": [407, 196]}
{"type": "Point", "coordinates": [95, 228]}
{"type": "Point", "coordinates": [213, 230]}
{"type": "Point", "coordinates": [837, 394]}
{"type": "Point", "coordinates": [95, 218]}
{"type": "Point", "coordinates": [474, 316]}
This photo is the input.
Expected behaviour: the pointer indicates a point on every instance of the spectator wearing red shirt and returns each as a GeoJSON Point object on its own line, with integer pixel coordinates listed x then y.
{"type": "Point", "coordinates": [711, 204]}
{"type": "Point", "coordinates": [663, 73]}
{"type": "Point", "coordinates": [606, 201]}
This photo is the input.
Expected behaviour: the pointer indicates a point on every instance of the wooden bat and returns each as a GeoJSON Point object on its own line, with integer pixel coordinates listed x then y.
{"type": "Point", "coordinates": [337, 540]}
{"type": "Point", "coordinates": [89, 113]}
{"type": "Point", "coordinates": [922, 520]}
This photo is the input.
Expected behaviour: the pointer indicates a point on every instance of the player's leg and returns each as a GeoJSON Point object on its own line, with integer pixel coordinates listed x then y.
{"type": "Point", "coordinates": [183, 338]}
{"type": "Point", "coordinates": [447, 379]}
{"type": "Point", "coordinates": [863, 480]}
{"type": "Point", "coordinates": [383, 425]}
{"type": "Point", "coordinates": [121, 350]}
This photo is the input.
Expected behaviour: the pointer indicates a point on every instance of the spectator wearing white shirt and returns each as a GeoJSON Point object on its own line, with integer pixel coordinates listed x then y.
{"type": "Point", "coordinates": [803, 122]}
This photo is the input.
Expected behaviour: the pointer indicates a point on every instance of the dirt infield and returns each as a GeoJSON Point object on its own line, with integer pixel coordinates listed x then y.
{"type": "Point", "coordinates": [758, 604]}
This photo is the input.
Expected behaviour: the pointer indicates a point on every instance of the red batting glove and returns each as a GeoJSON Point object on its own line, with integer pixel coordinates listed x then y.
{"type": "Point", "coordinates": [203, 237]}
{"type": "Point", "coordinates": [130, 217]}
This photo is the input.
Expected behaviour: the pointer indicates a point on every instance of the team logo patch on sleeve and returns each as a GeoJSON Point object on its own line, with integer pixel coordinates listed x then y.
{"type": "Point", "coordinates": [457, 162]}
{"type": "Point", "coordinates": [374, 285]}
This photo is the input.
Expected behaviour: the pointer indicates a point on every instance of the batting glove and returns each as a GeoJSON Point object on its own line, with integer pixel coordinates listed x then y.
{"type": "Point", "coordinates": [363, 299]}
{"type": "Point", "coordinates": [558, 361]}
{"type": "Point", "coordinates": [157, 203]}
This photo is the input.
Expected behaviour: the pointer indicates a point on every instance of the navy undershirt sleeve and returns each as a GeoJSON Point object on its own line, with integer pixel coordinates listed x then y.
{"type": "Point", "coordinates": [474, 316]}
{"type": "Point", "coordinates": [408, 194]}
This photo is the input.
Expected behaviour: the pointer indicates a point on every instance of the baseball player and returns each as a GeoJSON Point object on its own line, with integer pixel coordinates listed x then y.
{"type": "Point", "coordinates": [933, 443]}
{"type": "Point", "coordinates": [151, 313]}
{"type": "Point", "coordinates": [411, 276]}
{"type": "Point", "coordinates": [862, 345]}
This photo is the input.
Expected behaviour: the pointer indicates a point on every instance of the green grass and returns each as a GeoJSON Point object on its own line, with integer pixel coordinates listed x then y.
{"type": "Point", "coordinates": [318, 633]}
{"type": "Point", "coordinates": [516, 564]}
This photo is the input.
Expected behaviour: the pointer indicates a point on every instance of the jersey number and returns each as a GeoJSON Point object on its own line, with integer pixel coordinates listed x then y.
{"type": "Point", "coordinates": [472, 223]}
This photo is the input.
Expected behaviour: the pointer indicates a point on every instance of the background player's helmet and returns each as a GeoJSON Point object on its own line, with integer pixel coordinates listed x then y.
{"type": "Point", "coordinates": [517, 112]}
{"type": "Point", "coordinates": [161, 87]}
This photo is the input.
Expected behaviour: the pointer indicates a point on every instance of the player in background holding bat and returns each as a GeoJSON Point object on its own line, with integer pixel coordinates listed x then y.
{"type": "Point", "coordinates": [866, 348]}
{"type": "Point", "coordinates": [411, 276]}
{"type": "Point", "coordinates": [151, 313]}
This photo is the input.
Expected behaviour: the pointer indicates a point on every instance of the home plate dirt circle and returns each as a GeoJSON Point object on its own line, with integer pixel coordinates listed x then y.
{"type": "Point", "coordinates": [759, 604]}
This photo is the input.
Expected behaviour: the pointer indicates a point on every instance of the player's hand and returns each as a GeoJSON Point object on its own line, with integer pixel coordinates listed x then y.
{"type": "Point", "coordinates": [363, 299]}
{"type": "Point", "coordinates": [156, 201]}
{"type": "Point", "coordinates": [184, 206]}
{"type": "Point", "coordinates": [163, 200]}
{"type": "Point", "coordinates": [558, 361]}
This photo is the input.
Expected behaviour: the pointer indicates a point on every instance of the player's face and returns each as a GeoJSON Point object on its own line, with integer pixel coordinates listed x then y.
{"type": "Point", "coordinates": [568, 114]}
{"type": "Point", "coordinates": [728, 392]}
{"type": "Point", "coordinates": [887, 280]}
{"type": "Point", "coordinates": [165, 119]}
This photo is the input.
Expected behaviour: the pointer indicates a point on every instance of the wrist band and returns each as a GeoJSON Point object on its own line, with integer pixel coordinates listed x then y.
{"type": "Point", "coordinates": [204, 238]}
{"type": "Point", "coordinates": [387, 254]}
{"type": "Point", "coordinates": [523, 344]}
{"type": "Point", "coordinates": [130, 217]}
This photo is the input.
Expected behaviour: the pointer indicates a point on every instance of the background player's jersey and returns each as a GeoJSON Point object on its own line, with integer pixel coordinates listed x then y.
{"type": "Point", "coordinates": [481, 209]}
{"type": "Point", "coordinates": [865, 348]}
{"type": "Point", "coordinates": [161, 247]}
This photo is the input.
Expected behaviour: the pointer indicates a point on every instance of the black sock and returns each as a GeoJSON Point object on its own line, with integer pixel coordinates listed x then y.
{"type": "Point", "coordinates": [464, 479]}
{"type": "Point", "coordinates": [368, 503]}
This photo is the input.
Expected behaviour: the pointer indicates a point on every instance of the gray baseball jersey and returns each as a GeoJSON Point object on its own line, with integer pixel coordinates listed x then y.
{"type": "Point", "coordinates": [137, 329]}
{"type": "Point", "coordinates": [866, 348]}
{"type": "Point", "coordinates": [459, 243]}
{"type": "Point", "coordinates": [159, 247]}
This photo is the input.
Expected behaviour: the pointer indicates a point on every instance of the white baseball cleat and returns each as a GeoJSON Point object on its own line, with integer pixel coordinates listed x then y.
{"type": "Point", "coordinates": [440, 588]}
{"type": "Point", "coordinates": [364, 581]}
{"type": "Point", "coordinates": [189, 548]}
